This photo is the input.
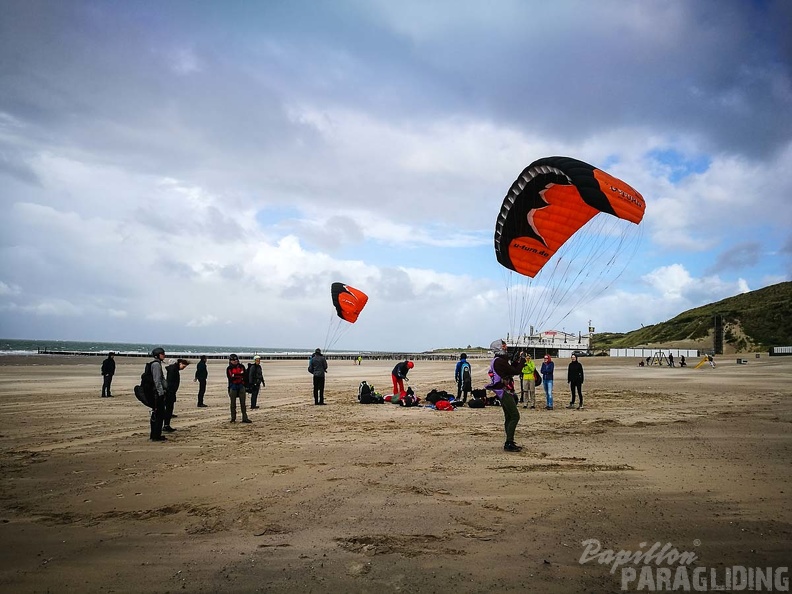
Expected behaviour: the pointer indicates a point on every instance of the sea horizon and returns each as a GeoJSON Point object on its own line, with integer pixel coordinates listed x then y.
{"type": "Point", "coordinates": [14, 346]}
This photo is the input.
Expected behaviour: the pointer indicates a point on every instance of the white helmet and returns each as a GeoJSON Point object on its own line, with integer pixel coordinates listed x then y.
{"type": "Point", "coordinates": [498, 347]}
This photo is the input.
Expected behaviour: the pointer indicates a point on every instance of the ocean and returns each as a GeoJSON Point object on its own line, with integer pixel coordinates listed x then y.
{"type": "Point", "coordinates": [31, 347]}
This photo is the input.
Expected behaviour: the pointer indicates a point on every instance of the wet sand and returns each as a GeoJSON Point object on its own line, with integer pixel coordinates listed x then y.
{"type": "Point", "coordinates": [378, 498]}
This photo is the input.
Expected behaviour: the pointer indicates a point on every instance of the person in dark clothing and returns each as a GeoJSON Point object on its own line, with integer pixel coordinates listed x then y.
{"type": "Point", "coordinates": [464, 378]}
{"type": "Point", "coordinates": [172, 379]}
{"type": "Point", "coordinates": [235, 372]}
{"type": "Point", "coordinates": [318, 367]}
{"type": "Point", "coordinates": [575, 381]}
{"type": "Point", "coordinates": [502, 372]}
{"type": "Point", "coordinates": [255, 380]}
{"type": "Point", "coordinates": [671, 359]}
{"type": "Point", "coordinates": [398, 375]}
{"type": "Point", "coordinates": [108, 370]}
{"type": "Point", "coordinates": [201, 373]}
{"type": "Point", "coordinates": [160, 387]}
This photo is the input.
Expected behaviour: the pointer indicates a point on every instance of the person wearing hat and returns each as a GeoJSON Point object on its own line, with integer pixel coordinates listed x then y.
{"type": "Point", "coordinates": [160, 388]}
{"type": "Point", "coordinates": [502, 372]}
{"type": "Point", "coordinates": [398, 375]}
{"type": "Point", "coordinates": [108, 370]}
{"type": "Point", "coordinates": [318, 367]}
{"type": "Point", "coordinates": [547, 380]}
{"type": "Point", "coordinates": [255, 380]}
{"type": "Point", "coordinates": [235, 372]}
{"type": "Point", "coordinates": [172, 380]}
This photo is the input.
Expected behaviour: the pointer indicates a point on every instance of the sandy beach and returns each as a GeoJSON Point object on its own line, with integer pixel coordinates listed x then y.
{"type": "Point", "coordinates": [378, 498]}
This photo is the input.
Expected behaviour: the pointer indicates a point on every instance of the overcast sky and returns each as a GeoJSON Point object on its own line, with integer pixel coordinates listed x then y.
{"type": "Point", "coordinates": [198, 172]}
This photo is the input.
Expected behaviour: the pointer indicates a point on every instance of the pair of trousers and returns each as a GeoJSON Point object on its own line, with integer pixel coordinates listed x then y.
{"type": "Point", "coordinates": [511, 415]}
{"type": "Point", "coordinates": [157, 416]}
{"type": "Point", "coordinates": [527, 387]}
{"type": "Point", "coordinates": [201, 390]}
{"type": "Point", "coordinates": [398, 386]}
{"type": "Point", "coordinates": [548, 388]}
{"type": "Point", "coordinates": [573, 386]}
{"type": "Point", "coordinates": [254, 392]}
{"type": "Point", "coordinates": [108, 379]}
{"type": "Point", "coordinates": [170, 401]}
{"type": "Point", "coordinates": [318, 389]}
{"type": "Point", "coordinates": [462, 393]}
{"type": "Point", "coordinates": [235, 393]}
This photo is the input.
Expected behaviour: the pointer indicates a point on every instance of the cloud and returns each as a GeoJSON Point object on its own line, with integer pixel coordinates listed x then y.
{"type": "Point", "coordinates": [164, 176]}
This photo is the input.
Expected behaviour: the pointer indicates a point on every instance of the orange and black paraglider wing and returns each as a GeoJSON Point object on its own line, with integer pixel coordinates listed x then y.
{"type": "Point", "coordinates": [348, 301]}
{"type": "Point", "coordinates": [550, 201]}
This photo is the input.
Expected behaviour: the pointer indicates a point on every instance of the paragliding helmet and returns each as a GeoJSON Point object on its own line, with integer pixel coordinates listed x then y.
{"type": "Point", "coordinates": [157, 352]}
{"type": "Point", "coordinates": [498, 347]}
{"type": "Point", "coordinates": [410, 364]}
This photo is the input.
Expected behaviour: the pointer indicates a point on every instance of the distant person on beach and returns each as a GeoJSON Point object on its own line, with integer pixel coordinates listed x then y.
{"type": "Point", "coordinates": [201, 374]}
{"type": "Point", "coordinates": [160, 388]}
{"type": "Point", "coordinates": [682, 362]}
{"type": "Point", "coordinates": [575, 381]}
{"type": "Point", "coordinates": [235, 372]}
{"type": "Point", "coordinates": [255, 380]}
{"type": "Point", "coordinates": [502, 373]}
{"type": "Point", "coordinates": [527, 382]}
{"type": "Point", "coordinates": [711, 360]}
{"type": "Point", "coordinates": [318, 368]}
{"type": "Point", "coordinates": [172, 381]}
{"type": "Point", "coordinates": [108, 371]}
{"type": "Point", "coordinates": [670, 359]}
{"type": "Point", "coordinates": [398, 375]}
{"type": "Point", "coordinates": [463, 375]}
{"type": "Point", "coordinates": [547, 380]}
{"type": "Point", "coordinates": [359, 360]}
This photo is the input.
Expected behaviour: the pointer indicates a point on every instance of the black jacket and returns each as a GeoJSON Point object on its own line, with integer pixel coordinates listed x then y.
{"type": "Point", "coordinates": [172, 378]}
{"type": "Point", "coordinates": [108, 366]}
{"type": "Point", "coordinates": [575, 373]}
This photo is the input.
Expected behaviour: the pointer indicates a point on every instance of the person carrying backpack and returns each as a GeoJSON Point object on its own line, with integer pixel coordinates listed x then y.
{"type": "Point", "coordinates": [160, 387]}
{"type": "Point", "coordinates": [463, 376]}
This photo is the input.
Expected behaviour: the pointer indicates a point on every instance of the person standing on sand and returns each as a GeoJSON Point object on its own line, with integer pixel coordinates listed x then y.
{"type": "Point", "coordinates": [398, 375]}
{"type": "Point", "coordinates": [575, 381]}
{"type": "Point", "coordinates": [463, 376]}
{"type": "Point", "coordinates": [670, 359]}
{"type": "Point", "coordinates": [502, 373]}
{"type": "Point", "coordinates": [547, 381]}
{"type": "Point", "coordinates": [172, 380]}
{"type": "Point", "coordinates": [108, 371]}
{"type": "Point", "coordinates": [201, 373]}
{"type": "Point", "coordinates": [235, 372]}
{"type": "Point", "coordinates": [160, 388]}
{"type": "Point", "coordinates": [527, 383]}
{"type": "Point", "coordinates": [255, 380]}
{"type": "Point", "coordinates": [318, 368]}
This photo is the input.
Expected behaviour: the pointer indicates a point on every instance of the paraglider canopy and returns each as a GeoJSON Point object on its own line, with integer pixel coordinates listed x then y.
{"type": "Point", "coordinates": [564, 233]}
{"type": "Point", "coordinates": [551, 200]}
{"type": "Point", "coordinates": [348, 301]}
